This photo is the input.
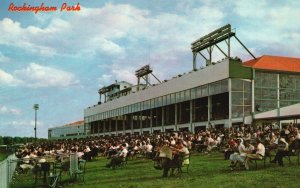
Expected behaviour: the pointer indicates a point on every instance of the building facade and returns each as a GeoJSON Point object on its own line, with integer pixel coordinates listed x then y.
{"type": "Point", "coordinates": [221, 95]}
{"type": "Point", "coordinates": [68, 131]}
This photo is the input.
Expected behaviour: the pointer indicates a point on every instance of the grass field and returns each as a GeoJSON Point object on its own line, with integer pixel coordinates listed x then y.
{"type": "Point", "coordinates": [205, 171]}
{"type": "Point", "coordinates": [4, 155]}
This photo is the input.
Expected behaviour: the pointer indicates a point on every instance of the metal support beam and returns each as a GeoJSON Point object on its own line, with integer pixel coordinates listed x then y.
{"type": "Point", "coordinates": [146, 80]}
{"type": "Point", "coordinates": [194, 61]}
{"type": "Point", "coordinates": [244, 47]}
{"type": "Point", "coordinates": [221, 50]}
{"type": "Point", "coordinates": [155, 77]}
{"type": "Point", "coordinates": [203, 56]}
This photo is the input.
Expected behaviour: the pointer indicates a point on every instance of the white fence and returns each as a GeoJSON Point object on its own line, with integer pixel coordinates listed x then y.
{"type": "Point", "coordinates": [7, 169]}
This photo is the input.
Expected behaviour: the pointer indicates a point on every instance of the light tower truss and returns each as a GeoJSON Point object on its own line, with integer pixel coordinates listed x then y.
{"type": "Point", "coordinates": [145, 73]}
{"type": "Point", "coordinates": [211, 40]}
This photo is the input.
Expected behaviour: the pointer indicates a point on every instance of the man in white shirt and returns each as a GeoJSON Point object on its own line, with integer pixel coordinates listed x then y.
{"type": "Point", "coordinates": [119, 157]}
{"type": "Point", "coordinates": [259, 154]}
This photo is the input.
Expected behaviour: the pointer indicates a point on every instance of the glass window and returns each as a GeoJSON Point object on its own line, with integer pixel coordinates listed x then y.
{"type": "Point", "coordinates": [187, 95]}
{"type": "Point", "coordinates": [287, 81]}
{"type": "Point", "coordinates": [297, 95]}
{"type": "Point", "coordinates": [224, 86]}
{"type": "Point", "coordinates": [198, 92]}
{"type": "Point", "coordinates": [247, 110]}
{"type": "Point", "coordinates": [237, 98]}
{"type": "Point", "coordinates": [178, 97]}
{"type": "Point", "coordinates": [247, 86]}
{"type": "Point", "coordinates": [237, 111]}
{"type": "Point", "coordinates": [193, 93]}
{"type": "Point", "coordinates": [159, 101]}
{"type": "Point", "coordinates": [153, 104]}
{"type": "Point", "coordinates": [182, 96]}
{"type": "Point", "coordinates": [258, 93]}
{"type": "Point", "coordinates": [297, 82]}
{"type": "Point", "coordinates": [286, 94]}
{"type": "Point", "coordinates": [237, 85]}
{"type": "Point", "coordinates": [204, 90]}
{"type": "Point", "coordinates": [165, 100]}
{"type": "Point", "coordinates": [148, 104]}
{"type": "Point", "coordinates": [269, 93]}
{"type": "Point", "coordinates": [173, 98]}
{"type": "Point", "coordinates": [247, 99]}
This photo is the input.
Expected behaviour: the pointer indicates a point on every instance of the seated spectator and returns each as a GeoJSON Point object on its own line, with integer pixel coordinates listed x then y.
{"type": "Point", "coordinates": [282, 150]}
{"type": "Point", "coordinates": [232, 147]}
{"type": "Point", "coordinates": [211, 143]}
{"type": "Point", "coordinates": [293, 145]}
{"type": "Point", "coordinates": [87, 153]}
{"type": "Point", "coordinates": [245, 149]}
{"type": "Point", "coordinates": [179, 151]}
{"type": "Point", "coordinates": [149, 149]}
{"type": "Point", "coordinates": [259, 153]}
{"type": "Point", "coordinates": [118, 158]}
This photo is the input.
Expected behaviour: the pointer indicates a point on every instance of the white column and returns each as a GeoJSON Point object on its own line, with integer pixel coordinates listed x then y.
{"type": "Point", "coordinates": [191, 116]}
{"type": "Point", "coordinates": [230, 103]}
{"type": "Point", "coordinates": [176, 109]}
{"type": "Point", "coordinates": [208, 110]}
{"type": "Point", "coordinates": [278, 95]}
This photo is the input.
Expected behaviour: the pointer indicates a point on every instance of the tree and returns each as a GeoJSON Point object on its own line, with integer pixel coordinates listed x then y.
{"type": "Point", "coordinates": [1, 140]}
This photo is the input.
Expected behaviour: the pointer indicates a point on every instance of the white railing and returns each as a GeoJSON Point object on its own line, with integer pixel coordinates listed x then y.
{"type": "Point", "coordinates": [7, 169]}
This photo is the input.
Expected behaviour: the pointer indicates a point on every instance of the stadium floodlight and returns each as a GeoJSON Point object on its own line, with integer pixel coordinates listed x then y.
{"type": "Point", "coordinates": [211, 40]}
{"type": "Point", "coordinates": [35, 107]}
{"type": "Point", "coordinates": [143, 73]}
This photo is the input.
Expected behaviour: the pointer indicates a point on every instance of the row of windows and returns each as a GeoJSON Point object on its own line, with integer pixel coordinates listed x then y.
{"type": "Point", "coordinates": [267, 90]}
{"type": "Point", "coordinates": [284, 94]}
{"type": "Point", "coordinates": [173, 114]}
{"type": "Point", "coordinates": [186, 95]}
{"type": "Point", "coordinates": [269, 80]}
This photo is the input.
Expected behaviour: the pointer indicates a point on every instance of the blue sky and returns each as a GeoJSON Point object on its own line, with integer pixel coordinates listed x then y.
{"type": "Point", "coordinates": [59, 60]}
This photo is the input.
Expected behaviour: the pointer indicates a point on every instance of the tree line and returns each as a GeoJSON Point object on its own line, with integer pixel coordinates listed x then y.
{"type": "Point", "coordinates": [8, 140]}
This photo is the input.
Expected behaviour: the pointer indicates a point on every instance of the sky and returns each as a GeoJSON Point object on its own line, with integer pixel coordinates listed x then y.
{"type": "Point", "coordinates": [59, 60]}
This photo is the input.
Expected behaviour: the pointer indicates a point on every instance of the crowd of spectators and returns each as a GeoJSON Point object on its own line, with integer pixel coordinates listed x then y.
{"type": "Point", "coordinates": [240, 144]}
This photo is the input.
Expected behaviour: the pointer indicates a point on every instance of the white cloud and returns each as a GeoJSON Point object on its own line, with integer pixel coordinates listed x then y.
{"type": "Point", "coordinates": [21, 128]}
{"type": "Point", "coordinates": [270, 26]}
{"type": "Point", "coordinates": [105, 80]}
{"type": "Point", "coordinates": [64, 36]}
{"type": "Point", "coordinates": [24, 123]}
{"type": "Point", "coordinates": [36, 75]}
{"type": "Point", "coordinates": [123, 74]}
{"type": "Point", "coordinates": [29, 39]}
{"type": "Point", "coordinates": [3, 58]}
{"type": "Point", "coordinates": [4, 110]}
{"type": "Point", "coordinates": [8, 79]}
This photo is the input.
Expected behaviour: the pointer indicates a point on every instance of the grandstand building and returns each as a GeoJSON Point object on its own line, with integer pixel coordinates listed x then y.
{"type": "Point", "coordinates": [268, 87]}
{"type": "Point", "coordinates": [68, 131]}
{"type": "Point", "coordinates": [222, 94]}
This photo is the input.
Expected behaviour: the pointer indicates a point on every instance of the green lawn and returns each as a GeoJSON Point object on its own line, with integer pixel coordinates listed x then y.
{"type": "Point", "coordinates": [4, 155]}
{"type": "Point", "coordinates": [205, 171]}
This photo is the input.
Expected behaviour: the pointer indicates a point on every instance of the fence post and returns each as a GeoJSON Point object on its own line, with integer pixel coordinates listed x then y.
{"type": "Point", "coordinates": [8, 172]}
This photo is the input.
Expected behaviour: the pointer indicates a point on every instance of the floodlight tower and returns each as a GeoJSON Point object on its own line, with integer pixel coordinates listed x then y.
{"type": "Point", "coordinates": [35, 107]}
{"type": "Point", "coordinates": [212, 40]}
{"type": "Point", "coordinates": [144, 73]}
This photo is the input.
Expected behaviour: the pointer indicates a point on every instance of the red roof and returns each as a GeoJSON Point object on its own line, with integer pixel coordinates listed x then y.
{"type": "Point", "coordinates": [75, 123]}
{"type": "Point", "coordinates": [276, 63]}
